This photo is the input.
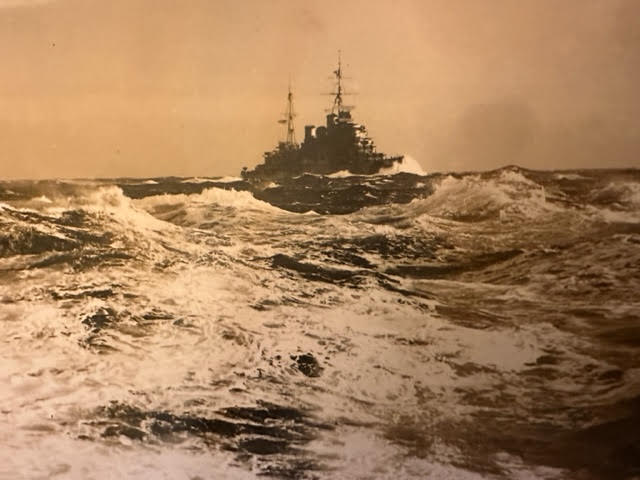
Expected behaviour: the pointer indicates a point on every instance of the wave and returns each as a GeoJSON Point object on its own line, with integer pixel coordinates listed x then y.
{"type": "Point", "coordinates": [196, 180]}
{"type": "Point", "coordinates": [227, 179]}
{"type": "Point", "coordinates": [19, 237]}
{"type": "Point", "coordinates": [112, 201]}
{"type": "Point", "coordinates": [93, 224]}
{"type": "Point", "coordinates": [619, 195]}
{"type": "Point", "coordinates": [408, 165]}
{"type": "Point", "coordinates": [340, 174]}
{"type": "Point", "coordinates": [215, 196]}
{"type": "Point", "coordinates": [614, 201]}
{"type": "Point", "coordinates": [569, 176]}
{"type": "Point", "coordinates": [200, 208]}
{"type": "Point", "coordinates": [505, 195]}
{"type": "Point", "coordinates": [42, 199]}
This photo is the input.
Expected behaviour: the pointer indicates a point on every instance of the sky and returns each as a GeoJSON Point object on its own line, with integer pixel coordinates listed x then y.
{"type": "Point", "coordinates": [146, 88]}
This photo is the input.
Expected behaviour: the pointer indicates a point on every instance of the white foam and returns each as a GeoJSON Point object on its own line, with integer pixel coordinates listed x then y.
{"type": "Point", "coordinates": [227, 179]}
{"type": "Point", "coordinates": [362, 455]}
{"type": "Point", "coordinates": [340, 174]}
{"type": "Point", "coordinates": [615, 216]}
{"type": "Point", "coordinates": [627, 193]}
{"type": "Point", "coordinates": [111, 200]}
{"type": "Point", "coordinates": [569, 176]}
{"type": "Point", "coordinates": [511, 195]}
{"type": "Point", "coordinates": [197, 180]}
{"type": "Point", "coordinates": [408, 165]}
{"type": "Point", "coordinates": [56, 455]}
{"type": "Point", "coordinates": [623, 202]}
{"type": "Point", "coordinates": [211, 196]}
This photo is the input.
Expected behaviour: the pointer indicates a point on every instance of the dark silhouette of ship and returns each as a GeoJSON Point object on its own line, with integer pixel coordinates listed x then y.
{"type": "Point", "coordinates": [340, 145]}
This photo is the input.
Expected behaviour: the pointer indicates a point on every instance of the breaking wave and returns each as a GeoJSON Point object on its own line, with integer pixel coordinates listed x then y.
{"type": "Point", "coordinates": [473, 198]}
{"type": "Point", "coordinates": [212, 196]}
{"type": "Point", "coordinates": [206, 207]}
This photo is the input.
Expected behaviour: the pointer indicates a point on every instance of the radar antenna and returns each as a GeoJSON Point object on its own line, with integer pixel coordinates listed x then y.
{"type": "Point", "coordinates": [289, 115]}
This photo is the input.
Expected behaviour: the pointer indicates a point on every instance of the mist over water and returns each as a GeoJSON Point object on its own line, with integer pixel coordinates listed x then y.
{"type": "Point", "coordinates": [479, 325]}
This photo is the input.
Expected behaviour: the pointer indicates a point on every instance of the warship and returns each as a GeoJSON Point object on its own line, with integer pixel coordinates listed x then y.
{"type": "Point", "coordinates": [339, 145]}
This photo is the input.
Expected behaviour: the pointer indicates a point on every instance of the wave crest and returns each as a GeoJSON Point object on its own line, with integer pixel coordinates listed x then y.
{"type": "Point", "coordinates": [504, 195]}
{"type": "Point", "coordinates": [196, 209]}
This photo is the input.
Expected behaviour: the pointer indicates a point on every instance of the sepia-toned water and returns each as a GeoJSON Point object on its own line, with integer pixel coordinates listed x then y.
{"type": "Point", "coordinates": [467, 326]}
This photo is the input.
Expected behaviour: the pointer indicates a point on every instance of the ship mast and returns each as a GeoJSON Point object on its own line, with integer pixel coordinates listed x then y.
{"type": "Point", "coordinates": [338, 106]}
{"type": "Point", "coordinates": [337, 101]}
{"type": "Point", "coordinates": [289, 115]}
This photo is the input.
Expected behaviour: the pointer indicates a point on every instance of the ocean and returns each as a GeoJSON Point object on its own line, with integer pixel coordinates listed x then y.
{"type": "Point", "coordinates": [480, 325]}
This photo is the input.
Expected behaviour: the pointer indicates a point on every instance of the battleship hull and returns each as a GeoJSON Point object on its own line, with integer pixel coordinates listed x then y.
{"type": "Point", "coordinates": [293, 165]}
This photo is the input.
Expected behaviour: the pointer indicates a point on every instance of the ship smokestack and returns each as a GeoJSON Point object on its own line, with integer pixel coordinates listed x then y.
{"type": "Point", "coordinates": [308, 132]}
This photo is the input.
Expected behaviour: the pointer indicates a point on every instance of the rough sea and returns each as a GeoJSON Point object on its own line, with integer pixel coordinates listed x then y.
{"type": "Point", "coordinates": [449, 326]}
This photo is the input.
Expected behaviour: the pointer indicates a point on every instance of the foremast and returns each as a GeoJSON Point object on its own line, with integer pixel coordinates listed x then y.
{"type": "Point", "coordinates": [289, 115]}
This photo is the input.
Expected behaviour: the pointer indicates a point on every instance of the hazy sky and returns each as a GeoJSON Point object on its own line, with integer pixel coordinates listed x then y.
{"type": "Point", "coordinates": [195, 87]}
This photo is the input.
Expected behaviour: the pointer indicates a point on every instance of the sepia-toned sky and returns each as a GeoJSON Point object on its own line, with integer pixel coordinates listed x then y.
{"type": "Point", "coordinates": [110, 88]}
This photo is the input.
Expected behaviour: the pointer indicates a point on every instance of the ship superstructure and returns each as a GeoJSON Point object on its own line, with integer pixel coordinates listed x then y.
{"type": "Point", "coordinates": [339, 145]}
